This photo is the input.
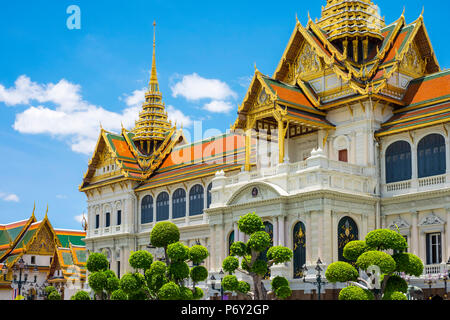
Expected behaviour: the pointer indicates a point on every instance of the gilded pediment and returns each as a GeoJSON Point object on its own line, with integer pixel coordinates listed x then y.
{"type": "Point", "coordinates": [43, 243]}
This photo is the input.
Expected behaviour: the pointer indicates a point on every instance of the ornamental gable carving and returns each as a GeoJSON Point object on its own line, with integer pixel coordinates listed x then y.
{"type": "Point", "coordinates": [400, 223]}
{"type": "Point", "coordinates": [308, 61]}
{"type": "Point", "coordinates": [412, 62]}
{"type": "Point", "coordinates": [43, 243]}
{"type": "Point", "coordinates": [253, 194]}
{"type": "Point", "coordinates": [431, 219]}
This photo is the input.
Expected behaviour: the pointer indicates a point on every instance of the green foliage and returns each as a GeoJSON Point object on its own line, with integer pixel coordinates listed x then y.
{"type": "Point", "coordinates": [81, 295]}
{"type": "Point", "coordinates": [54, 295]}
{"type": "Point", "coordinates": [169, 291]}
{"type": "Point", "coordinates": [49, 289]}
{"type": "Point", "coordinates": [396, 283]}
{"type": "Point", "coordinates": [279, 254]}
{"type": "Point", "coordinates": [230, 283]}
{"type": "Point", "coordinates": [140, 259]}
{"type": "Point", "coordinates": [408, 263]}
{"type": "Point", "coordinates": [279, 282]}
{"type": "Point", "coordinates": [112, 284]}
{"type": "Point", "coordinates": [186, 294]}
{"type": "Point", "coordinates": [177, 252]}
{"type": "Point", "coordinates": [384, 239]}
{"type": "Point", "coordinates": [198, 253]}
{"type": "Point", "coordinates": [97, 281]}
{"type": "Point", "coordinates": [239, 249]}
{"type": "Point", "coordinates": [396, 295]}
{"type": "Point", "coordinates": [179, 270]}
{"type": "Point", "coordinates": [230, 264]}
{"type": "Point", "coordinates": [199, 273]}
{"type": "Point", "coordinates": [129, 283]}
{"type": "Point", "coordinates": [109, 274]}
{"type": "Point", "coordinates": [119, 295]}
{"type": "Point", "coordinates": [259, 241]}
{"type": "Point", "coordinates": [157, 267]}
{"type": "Point", "coordinates": [354, 249]}
{"type": "Point", "coordinates": [376, 258]}
{"type": "Point", "coordinates": [244, 265]}
{"type": "Point", "coordinates": [260, 267]}
{"type": "Point", "coordinates": [250, 223]}
{"type": "Point", "coordinates": [341, 272]}
{"type": "Point", "coordinates": [140, 294]}
{"type": "Point", "coordinates": [243, 287]}
{"type": "Point", "coordinates": [355, 293]}
{"type": "Point", "coordinates": [283, 292]}
{"type": "Point", "coordinates": [97, 262]}
{"type": "Point", "coordinates": [198, 293]}
{"type": "Point", "coordinates": [164, 233]}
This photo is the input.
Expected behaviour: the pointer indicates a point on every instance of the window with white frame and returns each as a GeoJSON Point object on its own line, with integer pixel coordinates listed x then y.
{"type": "Point", "coordinates": [434, 248]}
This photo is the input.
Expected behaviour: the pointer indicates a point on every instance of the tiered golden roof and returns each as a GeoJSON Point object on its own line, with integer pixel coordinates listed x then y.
{"type": "Point", "coordinates": [351, 18]}
{"type": "Point", "coordinates": [153, 125]}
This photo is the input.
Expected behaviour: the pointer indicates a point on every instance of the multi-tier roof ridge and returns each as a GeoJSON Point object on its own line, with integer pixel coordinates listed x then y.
{"type": "Point", "coordinates": [153, 124]}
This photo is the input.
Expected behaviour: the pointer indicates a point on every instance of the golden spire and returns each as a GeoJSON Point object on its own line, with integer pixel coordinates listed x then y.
{"type": "Point", "coordinates": [154, 75]}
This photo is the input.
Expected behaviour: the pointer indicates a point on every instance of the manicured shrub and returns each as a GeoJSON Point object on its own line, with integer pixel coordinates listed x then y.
{"type": "Point", "coordinates": [198, 253]}
{"type": "Point", "coordinates": [279, 254]}
{"type": "Point", "coordinates": [140, 294]}
{"type": "Point", "coordinates": [259, 241]}
{"type": "Point", "coordinates": [54, 295]}
{"type": "Point", "coordinates": [354, 249]}
{"type": "Point", "coordinates": [81, 295]}
{"type": "Point", "coordinates": [396, 295]}
{"type": "Point", "coordinates": [283, 292]}
{"type": "Point", "coordinates": [177, 252]}
{"type": "Point", "coordinates": [376, 258]}
{"type": "Point", "coordinates": [278, 282]}
{"type": "Point", "coordinates": [384, 239]}
{"type": "Point", "coordinates": [341, 272]}
{"type": "Point", "coordinates": [230, 264]}
{"type": "Point", "coordinates": [98, 281]}
{"type": "Point", "coordinates": [260, 267]}
{"type": "Point", "coordinates": [186, 294]}
{"type": "Point", "coordinates": [250, 223]}
{"type": "Point", "coordinates": [119, 295]}
{"type": "Point", "coordinates": [243, 287]}
{"type": "Point", "coordinates": [355, 293]}
{"type": "Point", "coordinates": [141, 259]}
{"type": "Point", "coordinates": [164, 233]}
{"type": "Point", "coordinates": [97, 262]}
{"type": "Point", "coordinates": [198, 293]}
{"type": "Point", "coordinates": [230, 283]}
{"type": "Point", "coordinates": [239, 249]}
{"type": "Point", "coordinates": [179, 270]}
{"type": "Point", "coordinates": [157, 267]}
{"type": "Point", "coordinates": [169, 291]}
{"type": "Point", "coordinates": [49, 289]}
{"type": "Point", "coordinates": [396, 283]}
{"type": "Point", "coordinates": [112, 284]}
{"type": "Point", "coordinates": [408, 263]}
{"type": "Point", "coordinates": [199, 273]}
{"type": "Point", "coordinates": [129, 283]}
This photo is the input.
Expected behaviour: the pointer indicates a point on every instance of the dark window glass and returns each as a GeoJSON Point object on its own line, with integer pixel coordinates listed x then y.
{"type": "Point", "coordinates": [97, 221]}
{"type": "Point", "coordinates": [179, 204]}
{"type": "Point", "coordinates": [398, 162]}
{"type": "Point", "coordinates": [299, 249]}
{"type": "Point", "coordinates": [434, 248]}
{"type": "Point", "coordinates": [347, 231]}
{"type": "Point", "coordinates": [431, 156]}
{"type": "Point", "coordinates": [118, 269]}
{"type": "Point", "coordinates": [119, 217]}
{"type": "Point", "coordinates": [147, 210]}
{"type": "Point", "coordinates": [162, 207]}
{"type": "Point", "coordinates": [268, 227]}
{"type": "Point", "coordinates": [107, 219]}
{"type": "Point", "coordinates": [196, 200]}
{"type": "Point", "coordinates": [33, 260]}
{"type": "Point", "coordinates": [230, 241]}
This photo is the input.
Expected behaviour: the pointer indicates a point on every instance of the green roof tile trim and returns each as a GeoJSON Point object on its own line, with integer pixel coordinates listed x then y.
{"type": "Point", "coordinates": [67, 258]}
{"type": "Point", "coordinates": [11, 258]}
{"type": "Point", "coordinates": [28, 235]}
{"type": "Point", "coordinates": [112, 137]}
{"type": "Point", "coordinates": [81, 255]}
{"type": "Point", "coordinates": [390, 29]}
{"type": "Point", "coordinates": [76, 240]}
{"type": "Point", "coordinates": [439, 74]}
{"type": "Point", "coordinates": [14, 232]}
{"type": "Point", "coordinates": [4, 237]}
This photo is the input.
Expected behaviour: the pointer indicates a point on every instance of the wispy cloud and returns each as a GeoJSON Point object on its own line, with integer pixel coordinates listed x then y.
{"type": "Point", "coordinates": [61, 196]}
{"type": "Point", "coordinates": [9, 197]}
{"type": "Point", "coordinates": [79, 218]}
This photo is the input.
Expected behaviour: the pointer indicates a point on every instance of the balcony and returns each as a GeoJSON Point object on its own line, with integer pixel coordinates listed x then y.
{"type": "Point", "coordinates": [315, 173]}
{"type": "Point", "coordinates": [102, 232]}
{"type": "Point", "coordinates": [416, 185]}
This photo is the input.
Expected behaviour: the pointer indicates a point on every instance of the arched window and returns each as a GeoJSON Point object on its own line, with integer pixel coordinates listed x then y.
{"type": "Point", "coordinates": [347, 231]}
{"type": "Point", "coordinates": [196, 196]}
{"type": "Point", "coordinates": [208, 195]}
{"type": "Point", "coordinates": [299, 248]}
{"type": "Point", "coordinates": [179, 203]}
{"type": "Point", "coordinates": [147, 210]}
{"type": "Point", "coordinates": [398, 162]}
{"type": "Point", "coordinates": [431, 156]}
{"type": "Point", "coordinates": [230, 241]}
{"type": "Point", "coordinates": [268, 227]}
{"type": "Point", "coordinates": [162, 207]}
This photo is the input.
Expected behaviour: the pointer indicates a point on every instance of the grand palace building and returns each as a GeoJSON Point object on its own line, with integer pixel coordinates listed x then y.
{"type": "Point", "coordinates": [349, 134]}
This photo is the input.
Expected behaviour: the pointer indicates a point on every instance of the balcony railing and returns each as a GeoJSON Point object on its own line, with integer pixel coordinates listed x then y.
{"type": "Point", "coordinates": [416, 185]}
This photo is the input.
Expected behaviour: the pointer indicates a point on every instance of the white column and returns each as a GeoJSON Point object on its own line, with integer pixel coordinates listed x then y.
{"type": "Point", "coordinates": [222, 253]}
{"type": "Point", "coordinates": [327, 236]}
{"type": "Point", "coordinates": [334, 239]}
{"type": "Point", "coordinates": [170, 207]}
{"type": "Point", "coordinates": [447, 155]}
{"type": "Point", "coordinates": [309, 234]}
{"type": "Point", "coordinates": [447, 230]}
{"type": "Point", "coordinates": [212, 249]}
{"type": "Point", "coordinates": [275, 231]}
{"type": "Point", "coordinates": [414, 166]}
{"type": "Point", "coordinates": [154, 210]}
{"type": "Point", "coordinates": [320, 236]}
{"type": "Point", "coordinates": [281, 231]}
{"type": "Point", "coordinates": [236, 232]}
{"type": "Point", "coordinates": [422, 247]}
{"type": "Point", "coordinates": [414, 234]}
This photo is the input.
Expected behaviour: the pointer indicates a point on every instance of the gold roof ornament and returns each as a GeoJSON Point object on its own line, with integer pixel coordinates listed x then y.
{"type": "Point", "coordinates": [153, 126]}
{"type": "Point", "coordinates": [349, 19]}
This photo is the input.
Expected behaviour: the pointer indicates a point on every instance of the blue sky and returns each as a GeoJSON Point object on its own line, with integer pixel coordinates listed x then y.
{"type": "Point", "coordinates": [56, 84]}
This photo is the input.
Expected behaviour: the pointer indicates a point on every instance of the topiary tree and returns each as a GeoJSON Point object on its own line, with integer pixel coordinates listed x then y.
{"type": "Point", "coordinates": [101, 280]}
{"type": "Point", "coordinates": [48, 290]}
{"type": "Point", "coordinates": [380, 256]}
{"type": "Point", "coordinates": [253, 264]}
{"type": "Point", "coordinates": [54, 295]}
{"type": "Point", "coordinates": [81, 295]}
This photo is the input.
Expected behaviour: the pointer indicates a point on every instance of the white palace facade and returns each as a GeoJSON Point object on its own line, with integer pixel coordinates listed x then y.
{"type": "Point", "coordinates": [350, 134]}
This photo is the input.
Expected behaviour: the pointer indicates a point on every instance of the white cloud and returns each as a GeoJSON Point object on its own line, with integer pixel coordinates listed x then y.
{"type": "Point", "coordinates": [66, 115]}
{"type": "Point", "coordinates": [194, 87]}
{"type": "Point", "coordinates": [9, 197]}
{"type": "Point", "coordinates": [79, 218]}
{"type": "Point", "coordinates": [245, 81]}
{"type": "Point", "coordinates": [218, 106]}
{"type": "Point", "coordinates": [179, 117]}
